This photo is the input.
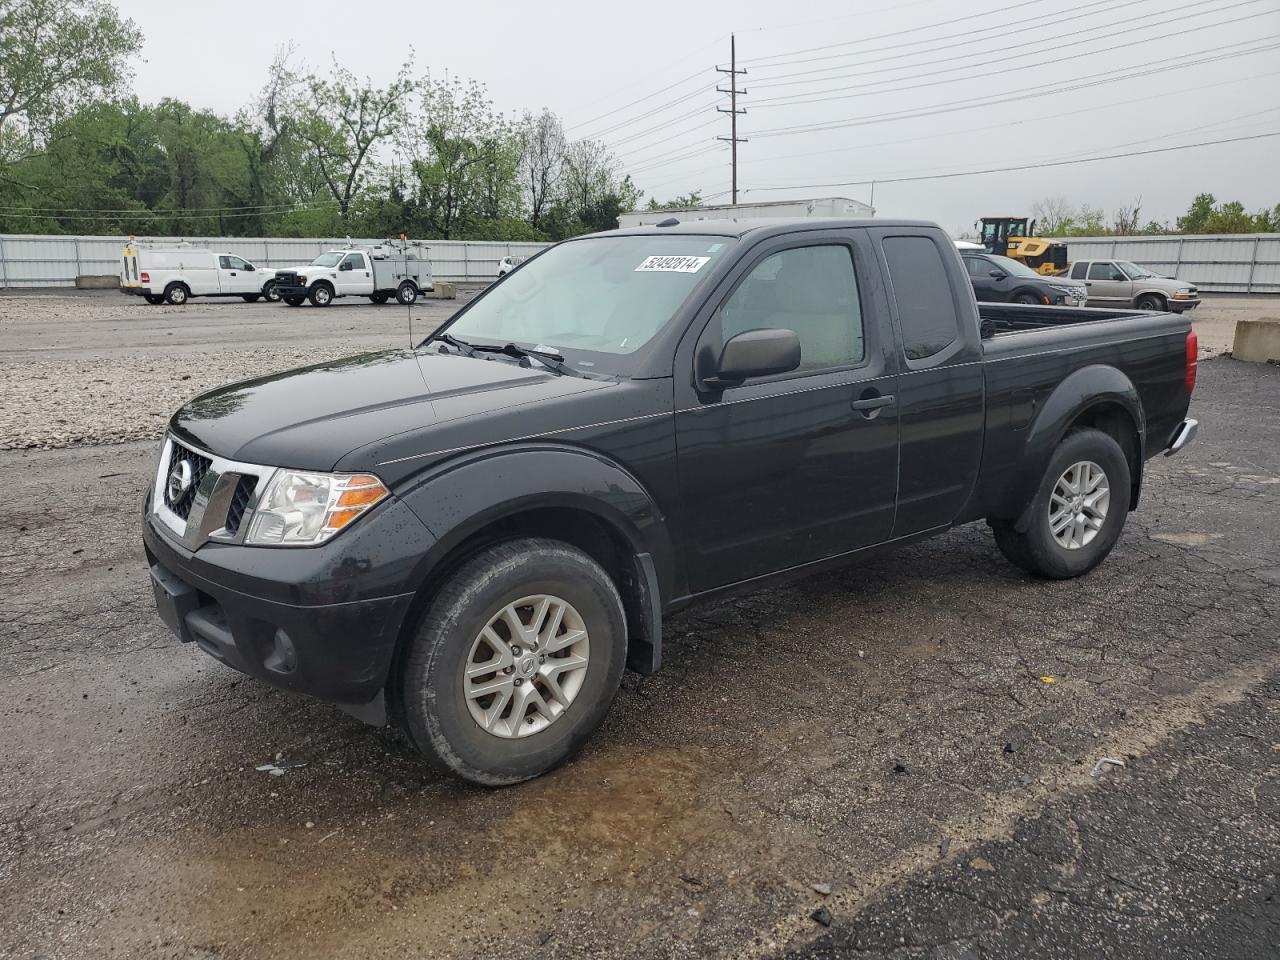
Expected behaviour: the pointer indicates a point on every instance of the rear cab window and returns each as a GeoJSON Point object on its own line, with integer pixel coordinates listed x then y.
{"type": "Point", "coordinates": [927, 316]}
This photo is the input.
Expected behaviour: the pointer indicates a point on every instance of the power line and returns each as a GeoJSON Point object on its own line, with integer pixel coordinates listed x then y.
{"type": "Point", "coordinates": [1021, 166]}
{"type": "Point", "coordinates": [795, 99]}
{"type": "Point", "coordinates": [780, 81]}
{"type": "Point", "coordinates": [973, 103]}
{"type": "Point", "coordinates": [201, 211]}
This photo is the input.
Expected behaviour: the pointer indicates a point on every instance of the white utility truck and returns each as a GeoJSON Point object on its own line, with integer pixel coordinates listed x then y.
{"type": "Point", "coordinates": [176, 274]}
{"type": "Point", "coordinates": [395, 268]}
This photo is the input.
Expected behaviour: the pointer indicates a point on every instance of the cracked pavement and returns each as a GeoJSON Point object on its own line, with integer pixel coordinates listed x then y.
{"type": "Point", "coordinates": [887, 729]}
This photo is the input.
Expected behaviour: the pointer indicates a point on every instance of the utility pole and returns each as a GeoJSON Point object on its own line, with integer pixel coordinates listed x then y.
{"type": "Point", "coordinates": [733, 110]}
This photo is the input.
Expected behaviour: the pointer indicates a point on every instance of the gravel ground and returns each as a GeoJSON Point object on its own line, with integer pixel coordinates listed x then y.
{"type": "Point", "coordinates": [888, 730]}
{"type": "Point", "coordinates": [105, 368]}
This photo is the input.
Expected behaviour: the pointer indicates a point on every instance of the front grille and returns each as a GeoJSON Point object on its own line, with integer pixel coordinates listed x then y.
{"type": "Point", "coordinates": [240, 502]}
{"type": "Point", "coordinates": [181, 505]}
{"type": "Point", "coordinates": [287, 278]}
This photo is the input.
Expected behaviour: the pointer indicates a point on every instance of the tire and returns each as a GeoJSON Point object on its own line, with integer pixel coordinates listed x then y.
{"type": "Point", "coordinates": [1026, 298]}
{"type": "Point", "coordinates": [445, 724]}
{"type": "Point", "coordinates": [176, 294]}
{"type": "Point", "coordinates": [1151, 301]}
{"type": "Point", "coordinates": [155, 299]}
{"type": "Point", "coordinates": [321, 295]}
{"type": "Point", "coordinates": [270, 292]}
{"type": "Point", "coordinates": [380, 298]}
{"type": "Point", "coordinates": [406, 293]}
{"type": "Point", "coordinates": [294, 301]}
{"type": "Point", "coordinates": [251, 297]}
{"type": "Point", "coordinates": [1036, 549]}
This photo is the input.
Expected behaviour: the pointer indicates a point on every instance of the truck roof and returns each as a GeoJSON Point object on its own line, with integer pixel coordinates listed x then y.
{"type": "Point", "coordinates": [739, 228]}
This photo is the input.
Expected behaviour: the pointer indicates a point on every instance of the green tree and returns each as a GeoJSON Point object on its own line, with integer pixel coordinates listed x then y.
{"type": "Point", "coordinates": [56, 56]}
{"type": "Point", "coordinates": [676, 203]}
{"type": "Point", "coordinates": [343, 120]}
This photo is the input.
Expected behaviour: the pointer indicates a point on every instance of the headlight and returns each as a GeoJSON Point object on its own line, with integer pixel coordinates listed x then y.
{"type": "Point", "coordinates": [1184, 292]}
{"type": "Point", "coordinates": [301, 509]}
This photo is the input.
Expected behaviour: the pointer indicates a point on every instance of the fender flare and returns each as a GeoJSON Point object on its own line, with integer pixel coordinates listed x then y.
{"type": "Point", "coordinates": [1092, 386]}
{"type": "Point", "coordinates": [459, 498]}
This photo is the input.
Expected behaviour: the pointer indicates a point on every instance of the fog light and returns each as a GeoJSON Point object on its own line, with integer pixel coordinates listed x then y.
{"type": "Point", "coordinates": [283, 658]}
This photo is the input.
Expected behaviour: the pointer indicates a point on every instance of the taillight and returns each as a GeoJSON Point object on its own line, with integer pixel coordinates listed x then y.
{"type": "Point", "coordinates": [1193, 348]}
{"type": "Point", "coordinates": [146, 277]}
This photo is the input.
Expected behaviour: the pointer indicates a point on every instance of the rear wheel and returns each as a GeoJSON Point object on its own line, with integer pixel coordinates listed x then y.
{"type": "Point", "coordinates": [1151, 301]}
{"type": "Point", "coordinates": [251, 297]}
{"type": "Point", "coordinates": [321, 295]}
{"type": "Point", "coordinates": [1078, 511]}
{"type": "Point", "coordinates": [155, 299]}
{"type": "Point", "coordinates": [176, 294]}
{"type": "Point", "coordinates": [270, 292]}
{"type": "Point", "coordinates": [380, 298]}
{"type": "Point", "coordinates": [515, 663]}
{"type": "Point", "coordinates": [407, 293]}
{"type": "Point", "coordinates": [294, 301]}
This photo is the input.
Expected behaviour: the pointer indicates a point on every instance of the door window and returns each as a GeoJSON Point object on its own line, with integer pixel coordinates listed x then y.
{"type": "Point", "coordinates": [926, 304]}
{"type": "Point", "coordinates": [354, 261]}
{"type": "Point", "coordinates": [978, 268]}
{"type": "Point", "coordinates": [1105, 270]}
{"type": "Point", "coordinates": [232, 263]}
{"type": "Point", "coordinates": [810, 290]}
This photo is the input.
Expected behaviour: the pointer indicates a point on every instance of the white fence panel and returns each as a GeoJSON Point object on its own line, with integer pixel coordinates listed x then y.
{"type": "Point", "coordinates": [55, 261]}
{"type": "Point", "coordinates": [1233, 263]}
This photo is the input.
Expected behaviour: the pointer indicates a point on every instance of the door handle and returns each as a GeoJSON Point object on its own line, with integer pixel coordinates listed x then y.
{"type": "Point", "coordinates": [870, 407]}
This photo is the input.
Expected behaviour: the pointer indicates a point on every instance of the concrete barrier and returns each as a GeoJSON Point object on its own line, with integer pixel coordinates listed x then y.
{"type": "Point", "coordinates": [97, 281]}
{"type": "Point", "coordinates": [443, 291]}
{"type": "Point", "coordinates": [1257, 341]}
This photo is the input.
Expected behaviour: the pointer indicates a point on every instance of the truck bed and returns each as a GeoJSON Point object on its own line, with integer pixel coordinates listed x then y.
{"type": "Point", "coordinates": [1004, 318]}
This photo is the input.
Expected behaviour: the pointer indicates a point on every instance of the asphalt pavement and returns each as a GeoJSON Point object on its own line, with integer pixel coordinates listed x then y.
{"type": "Point", "coordinates": [917, 734]}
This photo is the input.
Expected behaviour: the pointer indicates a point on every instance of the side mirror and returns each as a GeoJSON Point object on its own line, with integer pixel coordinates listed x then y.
{"type": "Point", "coordinates": [251, 268]}
{"type": "Point", "coordinates": [345, 265]}
{"type": "Point", "coordinates": [756, 353]}
{"type": "Point", "coordinates": [997, 274]}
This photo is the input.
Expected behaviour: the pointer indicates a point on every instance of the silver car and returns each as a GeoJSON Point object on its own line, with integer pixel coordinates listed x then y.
{"type": "Point", "coordinates": [1120, 283]}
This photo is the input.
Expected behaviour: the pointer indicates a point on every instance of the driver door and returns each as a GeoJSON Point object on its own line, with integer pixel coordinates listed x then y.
{"type": "Point", "coordinates": [789, 469]}
{"type": "Point", "coordinates": [354, 278]}
{"type": "Point", "coordinates": [236, 276]}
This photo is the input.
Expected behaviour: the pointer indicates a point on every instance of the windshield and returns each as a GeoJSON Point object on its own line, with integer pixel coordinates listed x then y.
{"type": "Point", "coordinates": [1013, 267]}
{"type": "Point", "coordinates": [593, 300]}
{"type": "Point", "coordinates": [1134, 271]}
{"type": "Point", "coordinates": [327, 260]}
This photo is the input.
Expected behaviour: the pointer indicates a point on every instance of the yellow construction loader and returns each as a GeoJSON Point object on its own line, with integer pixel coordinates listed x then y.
{"type": "Point", "coordinates": [1012, 237]}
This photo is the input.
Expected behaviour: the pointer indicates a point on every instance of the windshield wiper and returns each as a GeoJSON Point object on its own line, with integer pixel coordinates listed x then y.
{"type": "Point", "coordinates": [460, 345]}
{"type": "Point", "coordinates": [553, 361]}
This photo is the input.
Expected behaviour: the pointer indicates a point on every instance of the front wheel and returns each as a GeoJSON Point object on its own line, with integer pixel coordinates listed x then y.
{"type": "Point", "coordinates": [407, 293]}
{"type": "Point", "coordinates": [270, 292]}
{"type": "Point", "coordinates": [379, 298]}
{"type": "Point", "coordinates": [1078, 511]}
{"type": "Point", "coordinates": [515, 663]}
{"type": "Point", "coordinates": [250, 297]}
{"type": "Point", "coordinates": [1026, 298]}
{"type": "Point", "coordinates": [321, 295]}
{"type": "Point", "coordinates": [294, 301]}
{"type": "Point", "coordinates": [1150, 302]}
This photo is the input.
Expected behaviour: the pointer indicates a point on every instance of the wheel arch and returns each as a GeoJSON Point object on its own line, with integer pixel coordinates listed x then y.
{"type": "Point", "coordinates": [597, 506]}
{"type": "Point", "coordinates": [1100, 397]}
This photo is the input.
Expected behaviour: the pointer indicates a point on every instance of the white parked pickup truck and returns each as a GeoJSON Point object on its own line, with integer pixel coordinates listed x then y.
{"type": "Point", "coordinates": [176, 274]}
{"type": "Point", "coordinates": [379, 273]}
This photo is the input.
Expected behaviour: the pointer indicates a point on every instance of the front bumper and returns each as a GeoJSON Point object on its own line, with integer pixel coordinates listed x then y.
{"type": "Point", "coordinates": [292, 289]}
{"type": "Point", "coordinates": [317, 620]}
{"type": "Point", "coordinates": [1182, 305]}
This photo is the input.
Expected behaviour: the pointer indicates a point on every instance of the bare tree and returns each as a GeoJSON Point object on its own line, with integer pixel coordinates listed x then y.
{"type": "Point", "coordinates": [1127, 218]}
{"type": "Point", "coordinates": [1055, 214]}
{"type": "Point", "coordinates": [542, 161]}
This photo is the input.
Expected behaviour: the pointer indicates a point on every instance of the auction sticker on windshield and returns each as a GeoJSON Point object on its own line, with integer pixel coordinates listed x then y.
{"type": "Point", "coordinates": [672, 264]}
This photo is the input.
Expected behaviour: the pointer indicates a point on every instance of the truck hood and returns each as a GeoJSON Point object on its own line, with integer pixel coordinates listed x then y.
{"type": "Point", "coordinates": [310, 418]}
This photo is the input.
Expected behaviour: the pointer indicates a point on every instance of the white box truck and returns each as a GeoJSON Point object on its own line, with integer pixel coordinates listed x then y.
{"type": "Point", "coordinates": [176, 274]}
{"type": "Point", "coordinates": [391, 269]}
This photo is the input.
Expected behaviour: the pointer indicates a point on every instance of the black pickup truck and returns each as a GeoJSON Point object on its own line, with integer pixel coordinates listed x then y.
{"type": "Point", "coordinates": [472, 538]}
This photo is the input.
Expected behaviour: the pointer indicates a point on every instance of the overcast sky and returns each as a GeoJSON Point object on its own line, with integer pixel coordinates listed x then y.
{"type": "Point", "coordinates": [852, 66]}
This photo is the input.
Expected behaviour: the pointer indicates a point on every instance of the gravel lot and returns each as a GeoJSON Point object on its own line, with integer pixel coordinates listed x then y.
{"type": "Point", "coordinates": [889, 731]}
